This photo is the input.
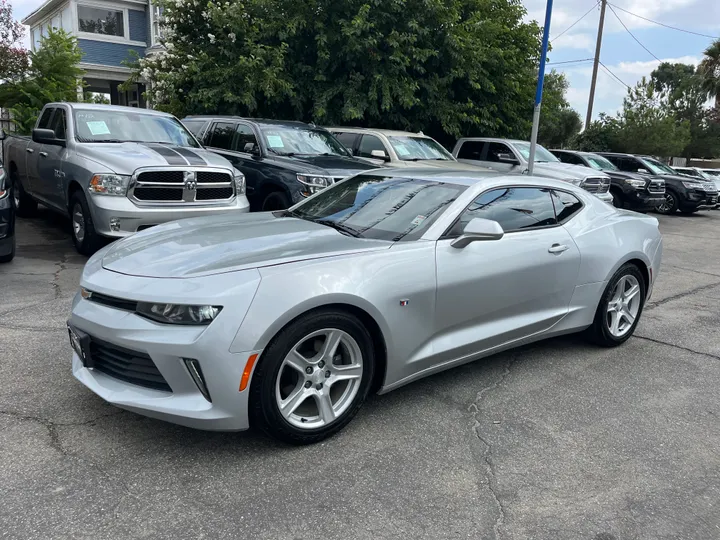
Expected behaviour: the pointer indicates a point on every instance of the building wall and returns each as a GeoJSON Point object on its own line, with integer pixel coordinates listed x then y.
{"type": "Point", "coordinates": [108, 54]}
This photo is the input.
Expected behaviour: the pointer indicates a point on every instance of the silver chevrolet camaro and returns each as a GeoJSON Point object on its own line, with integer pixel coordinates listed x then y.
{"type": "Point", "coordinates": [287, 320]}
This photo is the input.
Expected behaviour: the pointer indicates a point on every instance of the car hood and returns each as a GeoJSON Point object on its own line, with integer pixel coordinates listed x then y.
{"type": "Point", "coordinates": [125, 158]}
{"type": "Point", "coordinates": [623, 175]}
{"type": "Point", "coordinates": [564, 171]}
{"type": "Point", "coordinates": [335, 166]}
{"type": "Point", "coordinates": [447, 165]}
{"type": "Point", "coordinates": [227, 243]}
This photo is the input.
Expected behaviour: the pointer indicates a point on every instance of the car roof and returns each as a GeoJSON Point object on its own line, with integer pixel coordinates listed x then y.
{"type": "Point", "coordinates": [102, 107]}
{"type": "Point", "coordinates": [258, 121]}
{"type": "Point", "coordinates": [386, 132]}
{"type": "Point", "coordinates": [493, 139]}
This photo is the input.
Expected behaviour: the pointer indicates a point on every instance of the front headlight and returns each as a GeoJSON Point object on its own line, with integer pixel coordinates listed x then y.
{"type": "Point", "coordinates": [693, 185]}
{"type": "Point", "coordinates": [109, 184]}
{"type": "Point", "coordinates": [239, 179]}
{"type": "Point", "coordinates": [178, 313]}
{"type": "Point", "coordinates": [636, 183]}
{"type": "Point", "coordinates": [313, 184]}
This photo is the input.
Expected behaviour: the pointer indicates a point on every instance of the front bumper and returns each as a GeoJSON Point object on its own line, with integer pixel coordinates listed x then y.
{"type": "Point", "coordinates": [700, 199]}
{"type": "Point", "coordinates": [645, 200]}
{"type": "Point", "coordinates": [128, 218]}
{"type": "Point", "coordinates": [168, 345]}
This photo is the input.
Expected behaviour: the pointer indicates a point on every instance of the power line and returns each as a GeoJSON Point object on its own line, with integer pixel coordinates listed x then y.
{"type": "Point", "coordinates": [665, 25]}
{"type": "Point", "coordinates": [618, 79]}
{"type": "Point", "coordinates": [631, 34]}
{"type": "Point", "coordinates": [571, 61]}
{"type": "Point", "coordinates": [573, 24]}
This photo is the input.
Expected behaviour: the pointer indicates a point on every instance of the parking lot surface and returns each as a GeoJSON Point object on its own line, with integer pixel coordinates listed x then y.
{"type": "Point", "coordinates": [558, 440]}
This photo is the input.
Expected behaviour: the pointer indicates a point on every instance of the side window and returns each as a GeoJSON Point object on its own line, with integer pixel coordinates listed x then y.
{"type": "Point", "coordinates": [471, 150]}
{"type": "Point", "coordinates": [626, 164]}
{"type": "Point", "coordinates": [194, 126]}
{"type": "Point", "coordinates": [368, 143]}
{"type": "Point", "coordinates": [222, 135]}
{"type": "Point", "coordinates": [246, 141]}
{"type": "Point", "coordinates": [566, 205]}
{"type": "Point", "coordinates": [58, 124]}
{"type": "Point", "coordinates": [45, 118]}
{"type": "Point", "coordinates": [495, 150]}
{"type": "Point", "coordinates": [514, 208]}
{"type": "Point", "coordinates": [569, 158]}
{"type": "Point", "coordinates": [347, 139]}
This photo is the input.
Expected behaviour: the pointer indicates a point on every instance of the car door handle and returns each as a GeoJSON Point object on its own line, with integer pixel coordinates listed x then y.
{"type": "Point", "coordinates": [557, 249]}
{"type": "Point", "coordinates": [43, 154]}
{"type": "Point", "coordinates": [29, 150]}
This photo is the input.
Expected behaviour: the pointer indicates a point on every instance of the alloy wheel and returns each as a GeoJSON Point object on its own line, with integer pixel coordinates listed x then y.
{"type": "Point", "coordinates": [78, 223]}
{"type": "Point", "coordinates": [623, 306]}
{"type": "Point", "coordinates": [319, 378]}
{"type": "Point", "coordinates": [667, 206]}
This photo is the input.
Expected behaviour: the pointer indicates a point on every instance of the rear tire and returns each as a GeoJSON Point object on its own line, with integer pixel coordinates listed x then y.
{"type": "Point", "coordinates": [25, 205]}
{"type": "Point", "coordinates": [277, 200]}
{"type": "Point", "coordinates": [614, 306]}
{"type": "Point", "coordinates": [322, 390]}
{"type": "Point", "coordinates": [86, 239]}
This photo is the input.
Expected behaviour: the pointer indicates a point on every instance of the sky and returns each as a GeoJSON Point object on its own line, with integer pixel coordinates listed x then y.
{"type": "Point", "coordinates": [620, 53]}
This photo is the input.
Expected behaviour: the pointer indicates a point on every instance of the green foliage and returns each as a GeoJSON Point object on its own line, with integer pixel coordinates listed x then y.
{"type": "Point", "coordinates": [448, 67]}
{"type": "Point", "coordinates": [54, 75]}
{"type": "Point", "coordinates": [13, 56]}
{"type": "Point", "coordinates": [709, 69]}
{"type": "Point", "coordinates": [600, 136]}
{"type": "Point", "coordinates": [558, 122]}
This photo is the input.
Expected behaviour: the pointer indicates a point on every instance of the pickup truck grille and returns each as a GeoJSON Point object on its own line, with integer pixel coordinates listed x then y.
{"type": "Point", "coordinates": [656, 186]}
{"type": "Point", "coordinates": [596, 184]}
{"type": "Point", "coordinates": [182, 186]}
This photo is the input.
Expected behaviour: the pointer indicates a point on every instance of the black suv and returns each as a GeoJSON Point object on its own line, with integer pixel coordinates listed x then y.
{"type": "Point", "coordinates": [629, 190]}
{"type": "Point", "coordinates": [682, 193]}
{"type": "Point", "coordinates": [283, 162]}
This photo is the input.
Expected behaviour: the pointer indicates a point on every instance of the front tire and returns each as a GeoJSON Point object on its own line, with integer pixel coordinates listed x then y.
{"type": "Point", "coordinates": [620, 307]}
{"type": "Point", "coordinates": [277, 200]}
{"type": "Point", "coordinates": [670, 205]}
{"type": "Point", "coordinates": [313, 377]}
{"type": "Point", "coordinates": [86, 239]}
{"type": "Point", "coordinates": [617, 200]}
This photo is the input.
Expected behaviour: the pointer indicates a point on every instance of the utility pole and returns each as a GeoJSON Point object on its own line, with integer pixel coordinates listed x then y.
{"type": "Point", "coordinates": [588, 118]}
{"type": "Point", "coordinates": [539, 90]}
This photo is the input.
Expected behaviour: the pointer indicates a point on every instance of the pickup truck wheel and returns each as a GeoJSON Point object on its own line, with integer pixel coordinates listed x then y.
{"type": "Point", "coordinates": [86, 239]}
{"type": "Point", "coordinates": [277, 200]}
{"type": "Point", "coordinates": [25, 206]}
{"type": "Point", "coordinates": [669, 205]}
{"type": "Point", "coordinates": [617, 201]}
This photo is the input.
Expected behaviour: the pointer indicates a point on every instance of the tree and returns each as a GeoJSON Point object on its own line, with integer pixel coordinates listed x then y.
{"type": "Point", "coordinates": [558, 122]}
{"type": "Point", "coordinates": [600, 136]}
{"type": "Point", "coordinates": [448, 67]}
{"type": "Point", "coordinates": [54, 75]}
{"type": "Point", "coordinates": [709, 68]}
{"type": "Point", "coordinates": [13, 57]}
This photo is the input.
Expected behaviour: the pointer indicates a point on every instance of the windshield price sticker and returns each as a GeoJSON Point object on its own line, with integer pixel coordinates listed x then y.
{"type": "Point", "coordinates": [418, 220]}
{"type": "Point", "coordinates": [275, 141]}
{"type": "Point", "coordinates": [98, 128]}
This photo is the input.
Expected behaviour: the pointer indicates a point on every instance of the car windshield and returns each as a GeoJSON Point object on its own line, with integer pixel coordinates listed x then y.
{"type": "Point", "coordinates": [116, 126]}
{"type": "Point", "coordinates": [290, 141]}
{"type": "Point", "coordinates": [419, 148]}
{"type": "Point", "coordinates": [600, 163]}
{"type": "Point", "coordinates": [541, 153]}
{"type": "Point", "coordinates": [379, 207]}
{"type": "Point", "coordinates": [656, 167]}
{"type": "Point", "coordinates": [714, 174]}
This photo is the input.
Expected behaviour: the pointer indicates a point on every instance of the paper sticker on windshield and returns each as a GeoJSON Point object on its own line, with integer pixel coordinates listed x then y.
{"type": "Point", "coordinates": [98, 128]}
{"type": "Point", "coordinates": [402, 150]}
{"type": "Point", "coordinates": [418, 220]}
{"type": "Point", "coordinates": [274, 141]}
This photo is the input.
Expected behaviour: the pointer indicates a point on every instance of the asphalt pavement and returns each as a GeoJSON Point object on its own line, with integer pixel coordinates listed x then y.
{"type": "Point", "coordinates": [558, 440]}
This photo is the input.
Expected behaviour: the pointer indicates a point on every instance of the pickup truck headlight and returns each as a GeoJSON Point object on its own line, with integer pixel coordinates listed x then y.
{"type": "Point", "coordinates": [109, 184]}
{"type": "Point", "coordinates": [637, 183]}
{"type": "Point", "coordinates": [693, 185]}
{"type": "Point", "coordinates": [178, 313]}
{"type": "Point", "coordinates": [239, 179]}
{"type": "Point", "coordinates": [313, 184]}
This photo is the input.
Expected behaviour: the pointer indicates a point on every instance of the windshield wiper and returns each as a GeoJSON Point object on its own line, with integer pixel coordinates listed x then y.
{"type": "Point", "coordinates": [288, 154]}
{"type": "Point", "coordinates": [349, 231]}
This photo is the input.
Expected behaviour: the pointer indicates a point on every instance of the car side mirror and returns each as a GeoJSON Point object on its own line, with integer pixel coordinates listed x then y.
{"type": "Point", "coordinates": [380, 154]}
{"type": "Point", "coordinates": [507, 158]}
{"type": "Point", "coordinates": [643, 171]}
{"type": "Point", "coordinates": [46, 136]}
{"type": "Point", "coordinates": [478, 229]}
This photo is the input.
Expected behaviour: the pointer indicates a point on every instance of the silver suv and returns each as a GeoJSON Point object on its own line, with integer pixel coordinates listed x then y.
{"type": "Point", "coordinates": [511, 157]}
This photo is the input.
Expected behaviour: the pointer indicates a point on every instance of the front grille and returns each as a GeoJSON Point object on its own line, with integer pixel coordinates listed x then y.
{"type": "Point", "coordinates": [177, 187]}
{"type": "Point", "coordinates": [111, 301]}
{"type": "Point", "coordinates": [656, 187]}
{"type": "Point", "coordinates": [130, 366]}
{"type": "Point", "coordinates": [596, 184]}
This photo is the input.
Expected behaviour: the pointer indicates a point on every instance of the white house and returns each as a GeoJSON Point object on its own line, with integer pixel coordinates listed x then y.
{"type": "Point", "coordinates": [107, 30]}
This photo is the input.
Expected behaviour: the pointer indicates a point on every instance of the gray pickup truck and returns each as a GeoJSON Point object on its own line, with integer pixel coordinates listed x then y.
{"type": "Point", "coordinates": [117, 170]}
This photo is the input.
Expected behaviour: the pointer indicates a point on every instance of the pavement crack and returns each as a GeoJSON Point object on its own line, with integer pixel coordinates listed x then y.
{"type": "Point", "coordinates": [653, 305]}
{"type": "Point", "coordinates": [62, 266]}
{"type": "Point", "coordinates": [490, 475]}
{"type": "Point", "coordinates": [680, 347]}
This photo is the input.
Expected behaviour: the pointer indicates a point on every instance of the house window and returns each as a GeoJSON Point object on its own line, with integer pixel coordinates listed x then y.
{"type": "Point", "coordinates": [156, 26]}
{"type": "Point", "coordinates": [101, 21]}
{"type": "Point", "coordinates": [55, 22]}
{"type": "Point", "coordinates": [36, 38]}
